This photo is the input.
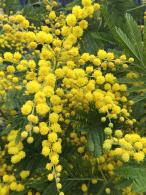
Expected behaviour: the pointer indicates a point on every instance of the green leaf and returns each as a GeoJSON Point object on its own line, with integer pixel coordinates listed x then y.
{"type": "Point", "coordinates": [51, 189]}
{"type": "Point", "coordinates": [139, 110]}
{"type": "Point", "coordinates": [135, 35]}
{"type": "Point", "coordinates": [96, 142]}
{"type": "Point", "coordinates": [139, 185]}
{"type": "Point", "coordinates": [136, 173]}
{"type": "Point", "coordinates": [122, 183]}
{"type": "Point", "coordinates": [69, 6]}
{"type": "Point", "coordinates": [131, 171]}
{"type": "Point", "coordinates": [130, 81]}
{"type": "Point", "coordinates": [90, 42]}
{"type": "Point", "coordinates": [138, 98]}
{"type": "Point", "coordinates": [127, 43]}
{"type": "Point", "coordinates": [5, 130]}
{"type": "Point", "coordinates": [90, 144]}
{"type": "Point", "coordinates": [39, 185]}
{"type": "Point", "coordinates": [137, 89]}
{"type": "Point", "coordinates": [131, 39]}
{"type": "Point", "coordinates": [136, 8]}
{"type": "Point", "coordinates": [12, 5]}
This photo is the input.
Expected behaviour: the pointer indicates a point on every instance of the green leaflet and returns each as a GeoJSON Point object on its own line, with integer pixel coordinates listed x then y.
{"type": "Point", "coordinates": [138, 98]}
{"type": "Point", "coordinates": [130, 81]}
{"type": "Point", "coordinates": [15, 122]}
{"type": "Point", "coordinates": [122, 183]}
{"type": "Point", "coordinates": [127, 43]}
{"type": "Point", "coordinates": [135, 36]}
{"type": "Point", "coordinates": [96, 142]}
{"type": "Point", "coordinates": [131, 171]}
{"type": "Point", "coordinates": [139, 184]}
{"type": "Point", "coordinates": [90, 122]}
{"type": "Point", "coordinates": [137, 89]}
{"type": "Point", "coordinates": [90, 144]}
{"type": "Point", "coordinates": [136, 174]}
{"type": "Point", "coordinates": [12, 5]}
{"type": "Point", "coordinates": [132, 42]}
{"type": "Point", "coordinates": [90, 42]}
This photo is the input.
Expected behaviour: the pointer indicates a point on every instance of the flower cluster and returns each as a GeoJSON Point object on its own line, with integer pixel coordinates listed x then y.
{"type": "Point", "coordinates": [129, 146]}
{"type": "Point", "coordinates": [56, 80]}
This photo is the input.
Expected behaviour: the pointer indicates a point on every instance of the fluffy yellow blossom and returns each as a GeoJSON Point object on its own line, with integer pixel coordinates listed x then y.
{"type": "Point", "coordinates": [42, 108]}
{"type": "Point", "coordinates": [24, 174]}
{"type": "Point", "coordinates": [71, 20]}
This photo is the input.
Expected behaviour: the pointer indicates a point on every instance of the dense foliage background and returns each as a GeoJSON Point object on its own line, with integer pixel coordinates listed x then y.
{"type": "Point", "coordinates": [118, 27]}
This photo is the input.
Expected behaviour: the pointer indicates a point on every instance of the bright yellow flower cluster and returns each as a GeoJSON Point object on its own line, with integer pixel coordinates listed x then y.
{"type": "Point", "coordinates": [58, 60]}
{"type": "Point", "coordinates": [15, 149]}
{"type": "Point", "coordinates": [128, 147]}
{"type": "Point", "coordinates": [56, 80]}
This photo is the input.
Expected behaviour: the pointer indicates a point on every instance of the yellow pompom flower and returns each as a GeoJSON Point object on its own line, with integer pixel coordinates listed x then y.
{"type": "Point", "coordinates": [52, 137]}
{"type": "Point", "coordinates": [32, 118]}
{"type": "Point", "coordinates": [77, 11]}
{"type": "Point", "coordinates": [42, 109]}
{"type": "Point", "coordinates": [30, 140]}
{"type": "Point", "coordinates": [26, 109]}
{"type": "Point", "coordinates": [53, 117]}
{"type": "Point", "coordinates": [24, 174]}
{"type": "Point", "coordinates": [86, 3]}
{"type": "Point", "coordinates": [54, 160]}
{"type": "Point", "coordinates": [45, 151]}
{"type": "Point", "coordinates": [52, 15]}
{"type": "Point", "coordinates": [50, 177]}
{"type": "Point", "coordinates": [33, 87]}
{"type": "Point", "coordinates": [96, 6]}
{"type": "Point", "coordinates": [84, 188]}
{"type": "Point", "coordinates": [11, 69]}
{"type": "Point", "coordinates": [138, 156]}
{"type": "Point", "coordinates": [102, 54]}
{"type": "Point", "coordinates": [125, 156]}
{"type": "Point", "coordinates": [57, 147]}
{"type": "Point", "coordinates": [71, 20]}
{"type": "Point", "coordinates": [8, 56]}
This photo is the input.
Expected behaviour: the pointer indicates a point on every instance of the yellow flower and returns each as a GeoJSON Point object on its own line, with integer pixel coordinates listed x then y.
{"type": "Point", "coordinates": [53, 117]}
{"type": "Point", "coordinates": [45, 151]}
{"type": "Point", "coordinates": [54, 160]}
{"type": "Point", "coordinates": [52, 15]}
{"type": "Point", "coordinates": [50, 177]}
{"type": "Point", "coordinates": [30, 140]}
{"type": "Point", "coordinates": [84, 188]}
{"type": "Point", "coordinates": [86, 3]}
{"type": "Point", "coordinates": [57, 147]}
{"type": "Point", "coordinates": [100, 80]}
{"type": "Point", "coordinates": [8, 56]}
{"type": "Point", "coordinates": [139, 156]}
{"type": "Point", "coordinates": [125, 156]}
{"type": "Point", "coordinates": [96, 6]}
{"type": "Point", "coordinates": [102, 54]}
{"type": "Point", "coordinates": [52, 137]}
{"type": "Point", "coordinates": [77, 11]}
{"type": "Point", "coordinates": [33, 86]}
{"type": "Point", "coordinates": [44, 129]}
{"type": "Point", "coordinates": [55, 100]}
{"type": "Point", "coordinates": [11, 69]}
{"type": "Point", "coordinates": [26, 109]}
{"type": "Point", "coordinates": [42, 109]}
{"type": "Point", "coordinates": [32, 118]}
{"type": "Point", "coordinates": [24, 174]}
{"type": "Point", "coordinates": [71, 20]}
